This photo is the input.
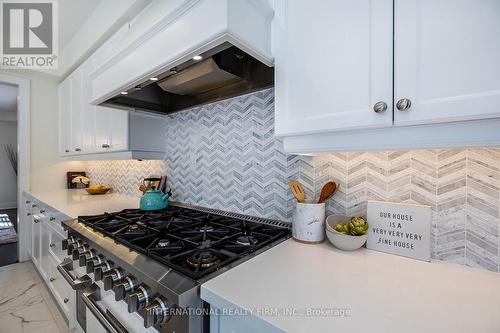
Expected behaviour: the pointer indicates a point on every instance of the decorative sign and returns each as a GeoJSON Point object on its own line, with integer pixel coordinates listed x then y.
{"type": "Point", "coordinates": [399, 228]}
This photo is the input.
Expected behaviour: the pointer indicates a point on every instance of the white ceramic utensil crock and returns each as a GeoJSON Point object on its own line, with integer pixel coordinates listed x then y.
{"type": "Point", "coordinates": [308, 225]}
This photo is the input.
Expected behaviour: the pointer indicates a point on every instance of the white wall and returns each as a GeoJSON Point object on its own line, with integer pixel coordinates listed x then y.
{"type": "Point", "coordinates": [8, 179]}
{"type": "Point", "coordinates": [48, 170]}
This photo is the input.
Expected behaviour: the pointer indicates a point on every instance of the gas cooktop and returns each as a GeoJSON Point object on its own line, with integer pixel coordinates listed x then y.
{"type": "Point", "coordinates": [193, 242]}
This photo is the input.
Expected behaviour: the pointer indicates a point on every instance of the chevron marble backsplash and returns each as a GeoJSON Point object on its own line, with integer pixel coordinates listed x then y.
{"type": "Point", "coordinates": [123, 176]}
{"type": "Point", "coordinates": [224, 155]}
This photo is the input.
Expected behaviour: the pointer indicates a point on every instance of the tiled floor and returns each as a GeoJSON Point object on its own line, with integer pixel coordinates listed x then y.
{"type": "Point", "coordinates": [25, 303]}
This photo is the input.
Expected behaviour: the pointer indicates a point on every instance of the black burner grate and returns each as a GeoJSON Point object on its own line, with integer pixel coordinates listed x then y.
{"type": "Point", "coordinates": [192, 242]}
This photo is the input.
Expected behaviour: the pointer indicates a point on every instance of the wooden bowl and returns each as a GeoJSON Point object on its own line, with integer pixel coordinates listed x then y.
{"type": "Point", "coordinates": [98, 191]}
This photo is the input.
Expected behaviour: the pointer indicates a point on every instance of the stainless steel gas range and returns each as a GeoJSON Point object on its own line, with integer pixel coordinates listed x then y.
{"type": "Point", "coordinates": [140, 271]}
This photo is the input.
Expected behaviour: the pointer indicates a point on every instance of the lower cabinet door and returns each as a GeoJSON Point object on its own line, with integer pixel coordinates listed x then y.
{"type": "Point", "coordinates": [35, 240]}
{"type": "Point", "coordinates": [45, 263]}
{"type": "Point", "coordinates": [61, 290]}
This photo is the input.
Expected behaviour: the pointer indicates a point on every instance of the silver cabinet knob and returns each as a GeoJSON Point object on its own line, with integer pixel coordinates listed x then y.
{"type": "Point", "coordinates": [42, 211]}
{"type": "Point", "coordinates": [380, 107]}
{"type": "Point", "coordinates": [403, 104]}
{"type": "Point", "coordinates": [78, 149]}
{"type": "Point", "coordinates": [66, 151]}
{"type": "Point", "coordinates": [66, 300]}
{"type": "Point", "coordinates": [28, 202]}
{"type": "Point", "coordinates": [52, 245]}
{"type": "Point", "coordinates": [52, 279]}
{"type": "Point", "coordinates": [105, 145]}
{"type": "Point", "coordinates": [36, 220]}
{"type": "Point", "coordinates": [52, 218]}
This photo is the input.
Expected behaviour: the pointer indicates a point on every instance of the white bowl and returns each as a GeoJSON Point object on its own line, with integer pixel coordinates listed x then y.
{"type": "Point", "coordinates": [339, 240]}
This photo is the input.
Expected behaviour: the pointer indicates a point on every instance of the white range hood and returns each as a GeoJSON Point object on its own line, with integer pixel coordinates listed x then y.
{"type": "Point", "coordinates": [189, 28]}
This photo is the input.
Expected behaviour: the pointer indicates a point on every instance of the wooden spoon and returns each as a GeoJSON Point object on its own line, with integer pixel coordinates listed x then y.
{"type": "Point", "coordinates": [297, 190]}
{"type": "Point", "coordinates": [327, 191]}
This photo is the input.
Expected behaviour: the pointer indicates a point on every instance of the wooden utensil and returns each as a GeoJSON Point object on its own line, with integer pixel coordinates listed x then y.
{"type": "Point", "coordinates": [297, 190]}
{"type": "Point", "coordinates": [327, 191]}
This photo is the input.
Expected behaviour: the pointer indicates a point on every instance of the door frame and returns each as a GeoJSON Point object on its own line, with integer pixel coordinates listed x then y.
{"type": "Point", "coordinates": [23, 163]}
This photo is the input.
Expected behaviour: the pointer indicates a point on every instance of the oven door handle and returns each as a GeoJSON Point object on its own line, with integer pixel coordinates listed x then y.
{"type": "Point", "coordinates": [89, 296]}
{"type": "Point", "coordinates": [76, 284]}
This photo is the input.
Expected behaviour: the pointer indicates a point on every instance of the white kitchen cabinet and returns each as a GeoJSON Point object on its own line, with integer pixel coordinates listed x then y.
{"type": "Point", "coordinates": [333, 64]}
{"type": "Point", "coordinates": [446, 60]}
{"type": "Point", "coordinates": [97, 132]}
{"type": "Point", "coordinates": [442, 66]}
{"type": "Point", "coordinates": [65, 118]}
{"type": "Point", "coordinates": [76, 111]}
{"type": "Point", "coordinates": [35, 240]}
{"type": "Point", "coordinates": [46, 252]}
{"type": "Point", "coordinates": [44, 247]}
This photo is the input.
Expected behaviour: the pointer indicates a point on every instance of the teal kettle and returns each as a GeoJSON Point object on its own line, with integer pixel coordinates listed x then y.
{"type": "Point", "coordinates": [154, 200]}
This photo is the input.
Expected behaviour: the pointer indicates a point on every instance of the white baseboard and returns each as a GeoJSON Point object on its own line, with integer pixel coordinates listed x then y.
{"type": "Point", "coordinates": [8, 205]}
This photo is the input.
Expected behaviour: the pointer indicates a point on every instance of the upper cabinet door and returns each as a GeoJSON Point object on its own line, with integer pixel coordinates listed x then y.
{"type": "Point", "coordinates": [65, 117]}
{"type": "Point", "coordinates": [77, 120]}
{"type": "Point", "coordinates": [333, 65]}
{"type": "Point", "coordinates": [446, 60]}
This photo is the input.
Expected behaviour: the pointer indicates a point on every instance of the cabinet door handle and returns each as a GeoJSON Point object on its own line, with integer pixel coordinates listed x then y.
{"type": "Point", "coordinates": [52, 245]}
{"type": "Point", "coordinates": [78, 149]}
{"type": "Point", "coordinates": [42, 211]}
{"type": "Point", "coordinates": [27, 201]}
{"type": "Point", "coordinates": [380, 107]}
{"type": "Point", "coordinates": [34, 205]}
{"type": "Point", "coordinates": [52, 279]}
{"type": "Point", "coordinates": [105, 145]}
{"type": "Point", "coordinates": [28, 214]}
{"type": "Point", "coordinates": [66, 151]}
{"type": "Point", "coordinates": [403, 104]}
{"type": "Point", "coordinates": [66, 300]}
{"type": "Point", "coordinates": [36, 220]}
{"type": "Point", "coordinates": [52, 218]}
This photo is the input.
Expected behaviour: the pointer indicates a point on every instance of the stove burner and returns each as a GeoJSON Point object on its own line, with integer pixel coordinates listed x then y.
{"type": "Point", "coordinates": [206, 228]}
{"type": "Point", "coordinates": [202, 259]}
{"type": "Point", "coordinates": [163, 243]}
{"type": "Point", "coordinates": [247, 240]}
{"type": "Point", "coordinates": [192, 242]}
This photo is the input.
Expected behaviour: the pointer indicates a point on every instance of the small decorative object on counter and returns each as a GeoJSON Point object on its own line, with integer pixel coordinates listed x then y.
{"type": "Point", "coordinates": [346, 233]}
{"type": "Point", "coordinates": [154, 200]}
{"type": "Point", "coordinates": [97, 189]}
{"type": "Point", "coordinates": [400, 228]}
{"type": "Point", "coordinates": [308, 225]}
{"type": "Point", "coordinates": [77, 179]}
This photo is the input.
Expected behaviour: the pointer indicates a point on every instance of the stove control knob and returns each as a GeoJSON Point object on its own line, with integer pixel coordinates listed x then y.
{"type": "Point", "coordinates": [102, 269]}
{"type": "Point", "coordinates": [157, 313]}
{"type": "Point", "coordinates": [94, 262]}
{"type": "Point", "coordinates": [80, 250]}
{"type": "Point", "coordinates": [138, 299]}
{"type": "Point", "coordinates": [123, 288]}
{"type": "Point", "coordinates": [90, 254]}
{"type": "Point", "coordinates": [73, 244]}
{"type": "Point", "coordinates": [110, 279]}
{"type": "Point", "coordinates": [66, 242]}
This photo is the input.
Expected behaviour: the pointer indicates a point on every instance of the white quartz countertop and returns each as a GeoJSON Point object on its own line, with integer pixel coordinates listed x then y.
{"type": "Point", "coordinates": [78, 202]}
{"type": "Point", "coordinates": [382, 292]}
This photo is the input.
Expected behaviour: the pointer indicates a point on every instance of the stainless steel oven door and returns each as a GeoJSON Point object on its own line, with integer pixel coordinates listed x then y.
{"type": "Point", "coordinates": [98, 321]}
{"type": "Point", "coordinates": [89, 316]}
